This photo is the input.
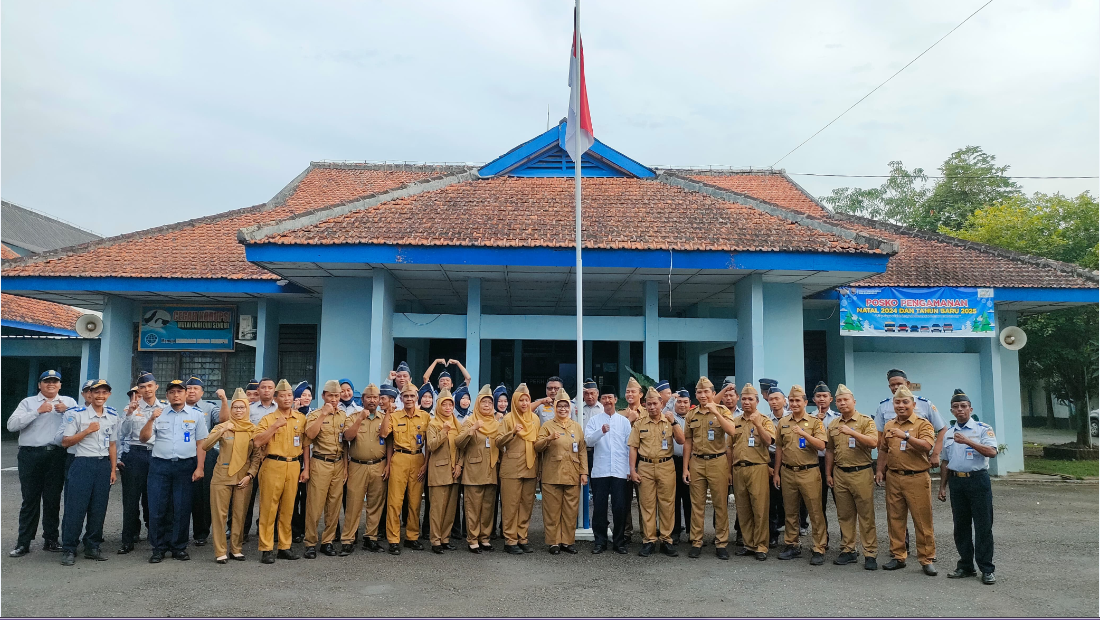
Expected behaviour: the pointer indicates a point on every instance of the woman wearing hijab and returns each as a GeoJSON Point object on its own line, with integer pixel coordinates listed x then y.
{"type": "Point", "coordinates": [444, 470]}
{"type": "Point", "coordinates": [303, 396]}
{"type": "Point", "coordinates": [462, 410]}
{"type": "Point", "coordinates": [500, 401]}
{"type": "Point", "coordinates": [477, 442]}
{"type": "Point", "coordinates": [238, 462]}
{"type": "Point", "coordinates": [519, 468]}
{"type": "Point", "coordinates": [564, 470]}
{"type": "Point", "coordinates": [425, 398]}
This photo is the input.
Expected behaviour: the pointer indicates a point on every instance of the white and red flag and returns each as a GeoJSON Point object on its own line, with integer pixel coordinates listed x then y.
{"type": "Point", "coordinates": [578, 128]}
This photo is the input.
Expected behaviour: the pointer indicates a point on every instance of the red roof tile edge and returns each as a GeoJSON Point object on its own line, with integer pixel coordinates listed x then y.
{"type": "Point", "coordinates": [766, 172]}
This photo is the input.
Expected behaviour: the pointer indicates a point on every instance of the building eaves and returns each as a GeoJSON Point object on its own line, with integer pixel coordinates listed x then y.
{"type": "Point", "coordinates": [822, 225]}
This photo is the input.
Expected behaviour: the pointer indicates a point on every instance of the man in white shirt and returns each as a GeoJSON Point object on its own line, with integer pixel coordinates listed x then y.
{"type": "Point", "coordinates": [607, 432]}
{"type": "Point", "coordinates": [89, 434]}
{"type": "Point", "coordinates": [681, 403]}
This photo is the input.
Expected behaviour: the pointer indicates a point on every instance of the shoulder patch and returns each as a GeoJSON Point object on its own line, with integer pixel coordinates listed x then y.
{"type": "Point", "coordinates": [75, 409]}
{"type": "Point", "coordinates": [922, 398]}
{"type": "Point", "coordinates": [884, 401]}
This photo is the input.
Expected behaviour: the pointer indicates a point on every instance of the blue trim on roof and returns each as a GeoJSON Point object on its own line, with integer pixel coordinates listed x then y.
{"type": "Point", "coordinates": [34, 327]}
{"type": "Point", "coordinates": [154, 285]}
{"type": "Point", "coordinates": [545, 156]}
{"type": "Point", "coordinates": [563, 257]}
{"type": "Point", "coordinates": [1053, 295]}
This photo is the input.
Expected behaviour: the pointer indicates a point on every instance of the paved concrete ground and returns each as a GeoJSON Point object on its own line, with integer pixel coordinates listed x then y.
{"type": "Point", "coordinates": [1047, 558]}
{"type": "Point", "coordinates": [1049, 436]}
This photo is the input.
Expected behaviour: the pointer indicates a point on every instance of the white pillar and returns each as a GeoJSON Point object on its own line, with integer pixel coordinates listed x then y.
{"type": "Point", "coordinates": [652, 357]}
{"type": "Point", "coordinates": [116, 350]}
{"type": "Point", "coordinates": [473, 335]}
{"type": "Point", "coordinates": [381, 327]}
{"type": "Point", "coordinates": [345, 336]}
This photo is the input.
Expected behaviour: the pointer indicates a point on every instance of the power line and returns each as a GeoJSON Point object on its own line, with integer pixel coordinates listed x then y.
{"type": "Point", "coordinates": [887, 176]}
{"type": "Point", "coordinates": [884, 83]}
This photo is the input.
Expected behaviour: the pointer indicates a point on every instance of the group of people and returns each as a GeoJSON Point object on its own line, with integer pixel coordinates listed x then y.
{"type": "Point", "coordinates": [368, 456]}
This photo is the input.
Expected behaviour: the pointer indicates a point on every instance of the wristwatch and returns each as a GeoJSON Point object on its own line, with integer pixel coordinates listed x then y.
{"type": "Point", "coordinates": [675, 423]}
{"type": "Point", "coordinates": [907, 434]}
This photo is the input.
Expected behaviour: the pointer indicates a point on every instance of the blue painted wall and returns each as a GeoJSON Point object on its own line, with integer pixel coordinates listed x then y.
{"type": "Point", "coordinates": [344, 345]}
{"type": "Point", "coordinates": [783, 358]}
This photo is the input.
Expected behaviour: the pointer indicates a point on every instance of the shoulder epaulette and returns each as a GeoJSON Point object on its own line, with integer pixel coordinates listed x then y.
{"type": "Point", "coordinates": [111, 411]}
{"type": "Point", "coordinates": [76, 409]}
{"type": "Point", "coordinates": [922, 398]}
{"type": "Point", "coordinates": [884, 401]}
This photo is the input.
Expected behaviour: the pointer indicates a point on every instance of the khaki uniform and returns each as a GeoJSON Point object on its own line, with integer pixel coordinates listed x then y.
{"type": "Point", "coordinates": [278, 477]}
{"type": "Point", "coordinates": [657, 489]}
{"type": "Point", "coordinates": [442, 487]}
{"type": "Point", "coordinates": [563, 462]}
{"type": "Point", "coordinates": [327, 470]}
{"type": "Point", "coordinates": [800, 478]}
{"type": "Point", "coordinates": [909, 488]}
{"type": "Point", "coordinates": [409, 434]}
{"type": "Point", "coordinates": [366, 464]}
{"type": "Point", "coordinates": [854, 483]}
{"type": "Point", "coordinates": [224, 492]}
{"type": "Point", "coordinates": [750, 481]}
{"type": "Point", "coordinates": [517, 484]}
{"type": "Point", "coordinates": [479, 479]}
{"type": "Point", "coordinates": [709, 469]}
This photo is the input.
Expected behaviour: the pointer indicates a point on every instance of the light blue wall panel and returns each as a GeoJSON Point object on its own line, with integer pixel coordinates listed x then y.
{"type": "Point", "coordinates": [343, 346]}
{"type": "Point", "coordinates": [564, 327]}
{"type": "Point", "coordinates": [411, 325]}
{"type": "Point", "coordinates": [783, 356]}
{"type": "Point", "coordinates": [938, 373]}
{"type": "Point", "coordinates": [117, 349]}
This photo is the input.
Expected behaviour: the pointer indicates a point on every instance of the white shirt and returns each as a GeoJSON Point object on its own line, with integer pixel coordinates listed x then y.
{"type": "Point", "coordinates": [129, 429]}
{"type": "Point", "coordinates": [351, 409]}
{"type": "Point", "coordinates": [94, 444]}
{"type": "Point", "coordinates": [678, 448]}
{"type": "Point", "coordinates": [38, 429]}
{"type": "Point", "coordinates": [610, 452]}
{"type": "Point", "coordinates": [921, 406]}
{"type": "Point", "coordinates": [590, 411]}
{"type": "Point", "coordinates": [257, 410]}
{"type": "Point", "coordinates": [961, 457]}
{"type": "Point", "coordinates": [830, 415]}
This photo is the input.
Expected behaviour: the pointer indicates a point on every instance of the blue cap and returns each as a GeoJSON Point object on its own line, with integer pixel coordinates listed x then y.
{"type": "Point", "coordinates": [445, 374]}
{"type": "Point", "coordinates": [388, 390]}
{"type": "Point", "coordinates": [683, 393]}
{"type": "Point", "coordinates": [350, 384]}
{"type": "Point", "coordinates": [175, 383]}
{"type": "Point", "coordinates": [662, 385]}
{"type": "Point", "coordinates": [589, 384]}
{"type": "Point", "coordinates": [767, 384]}
{"type": "Point", "coordinates": [774, 390]}
{"type": "Point", "coordinates": [49, 374]}
{"type": "Point", "coordinates": [87, 385]}
{"type": "Point", "coordinates": [251, 386]}
{"type": "Point", "coordinates": [98, 383]}
{"type": "Point", "coordinates": [302, 387]}
{"type": "Point", "coordinates": [193, 381]}
{"type": "Point", "coordinates": [403, 367]}
{"type": "Point", "coordinates": [144, 377]}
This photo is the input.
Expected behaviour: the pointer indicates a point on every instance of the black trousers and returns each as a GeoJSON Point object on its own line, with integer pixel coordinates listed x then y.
{"type": "Point", "coordinates": [88, 485]}
{"type": "Point", "coordinates": [41, 479]}
{"type": "Point", "coordinates": [618, 490]}
{"type": "Point", "coordinates": [682, 507]}
{"type": "Point", "coordinates": [298, 521]}
{"type": "Point", "coordinates": [458, 529]}
{"type": "Point", "coordinates": [135, 493]}
{"type": "Point", "coordinates": [200, 498]}
{"type": "Point", "coordinates": [972, 512]}
{"type": "Point", "coordinates": [825, 496]}
{"type": "Point", "coordinates": [170, 503]}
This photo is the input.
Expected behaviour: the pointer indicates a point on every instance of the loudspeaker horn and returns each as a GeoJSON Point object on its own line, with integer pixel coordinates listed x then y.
{"type": "Point", "coordinates": [1013, 338]}
{"type": "Point", "coordinates": [89, 326]}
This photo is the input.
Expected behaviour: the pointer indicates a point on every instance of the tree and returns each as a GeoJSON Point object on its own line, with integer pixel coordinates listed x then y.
{"type": "Point", "coordinates": [970, 180]}
{"type": "Point", "coordinates": [901, 195]}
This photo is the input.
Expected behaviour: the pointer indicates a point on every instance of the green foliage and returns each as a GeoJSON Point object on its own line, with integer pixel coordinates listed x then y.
{"type": "Point", "coordinates": [642, 378]}
{"type": "Point", "coordinates": [981, 324]}
{"type": "Point", "coordinates": [1074, 469]}
{"type": "Point", "coordinates": [899, 196]}
{"type": "Point", "coordinates": [851, 324]}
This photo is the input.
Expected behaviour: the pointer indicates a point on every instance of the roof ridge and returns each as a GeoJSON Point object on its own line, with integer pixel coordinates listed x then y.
{"type": "Point", "coordinates": [1035, 261]}
{"type": "Point", "coordinates": [257, 232]}
{"type": "Point", "coordinates": [803, 219]}
{"type": "Point", "coordinates": [51, 217]}
{"type": "Point", "coordinates": [387, 166]}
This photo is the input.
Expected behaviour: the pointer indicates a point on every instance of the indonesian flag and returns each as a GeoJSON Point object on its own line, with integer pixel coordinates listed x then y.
{"type": "Point", "coordinates": [578, 127]}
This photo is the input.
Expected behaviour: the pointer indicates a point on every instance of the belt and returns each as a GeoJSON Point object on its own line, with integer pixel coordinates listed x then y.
{"type": "Point", "coordinates": [49, 448]}
{"type": "Point", "coordinates": [661, 460]}
{"type": "Point", "coordinates": [799, 467]}
{"type": "Point", "coordinates": [404, 451]}
{"type": "Point", "coordinates": [707, 457]}
{"type": "Point", "coordinates": [366, 462]}
{"type": "Point", "coordinates": [175, 458]}
{"type": "Point", "coordinates": [140, 445]}
{"type": "Point", "coordinates": [909, 472]}
{"type": "Point", "coordinates": [849, 470]}
{"type": "Point", "coordinates": [969, 474]}
{"type": "Point", "coordinates": [745, 464]}
{"type": "Point", "coordinates": [287, 459]}
{"type": "Point", "coordinates": [91, 457]}
{"type": "Point", "coordinates": [326, 458]}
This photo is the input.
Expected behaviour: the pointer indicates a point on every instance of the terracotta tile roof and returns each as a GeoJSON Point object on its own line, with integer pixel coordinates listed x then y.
{"type": "Point", "coordinates": [37, 312]}
{"type": "Point", "coordinates": [207, 247]}
{"type": "Point", "coordinates": [768, 186]}
{"type": "Point", "coordinates": [6, 252]}
{"type": "Point", "coordinates": [620, 213]}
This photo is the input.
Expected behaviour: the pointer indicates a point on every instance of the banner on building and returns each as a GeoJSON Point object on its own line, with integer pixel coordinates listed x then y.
{"type": "Point", "coordinates": [186, 328]}
{"type": "Point", "coordinates": [930, 312]}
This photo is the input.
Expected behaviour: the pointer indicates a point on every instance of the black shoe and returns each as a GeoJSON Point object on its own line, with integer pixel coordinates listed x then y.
{"type": "Point", "coordinates": [395, 549]}
{"type": "Point", "coordinates": [622, 550]}
{"type": "Point", "coordinates": [646, 550]}
{"type": "Point", "coordinates": [988, 579]}
{"type": "Point", "coordinates": [414, 545]}
{"type": "Point", "coordinates": [760, 555]}
{"type": "Point", "coordinates": [328, 549]}
{"type": "Point", "coordinates": [670, 550]}
{"type": "Point", "coordinates": [570, 549]}
{"type": "Point", "coordinates": [742, 551]}
{"type": "Point", "coordinates": [51, 545]}
{"type": "Point", "coordinates": [845, 558]}
{"type": "Point", "coordinates": [817, 559]}
{"type": "Point", "coordinates": [372, 546]}
{"type": "Point", "coordinates": [156, 557]}
{"type": "Point", "coordinates": [181, 555]}
{"type": "Point", "coordinates": [870, 563]}
{"type": "Point", "coordinates": [239, 558]}
{"type": "Point", "coordinates": [347, 549]}
{"type": "Point", "coordinates": [287, 554]}
{"type": "Point", "coordinates": [959, 573]}
{"type": "Point", "coordinates": [930, 570]}
{"type": "Point", "coordinates": [199, 542]}
{"type": "Point", "coordinates": [894, 564]}
{"type": "Point", "coordinates": [695, 552]}
{"type": "Point", "coordinates": [487, 547]}
{"type": "Point", "coordinates": [790, 553]}
{"type": "Point", "coordinates": [310, 553]}
{"type": "Point", "coordinates": [68, 558]}
{"type": "Point", "coordinates": [773, 542]}
{"type": "Point", "coordinates": [437, 549]}
{"type": "Point", "coordinates": [299, 538]}
{"type": "Point", "coordinates": [19, 551]}
{"type": "Point", "coordinates": [474, 549]}
{"type": "Point", "coordinates": [450, 546]}
{"type": "Point", "coordinates": [125, 548]}
{"type": "Point", "coordinates": [722, 553]}
{"type": "Point", "coordinates": [739, 541]}
{"type": "Point", "coordinates": [599, 549]}
{"type": "Point", "coordinates": [555, 550]}
{"type": "Point", "coordinates": [94, 554]}
{"type": "Point", "coordinates": [512, 549]}
{"type": "Point", "coordinates": [268, 557]}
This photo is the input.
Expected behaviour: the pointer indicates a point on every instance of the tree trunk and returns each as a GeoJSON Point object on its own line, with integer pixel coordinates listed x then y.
{"type": "Point", "coordinates": [1049, 401]}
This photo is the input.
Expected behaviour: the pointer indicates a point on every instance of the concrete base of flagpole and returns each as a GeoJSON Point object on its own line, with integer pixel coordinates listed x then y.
{"type": "Point", "coordinates": [585, 534]}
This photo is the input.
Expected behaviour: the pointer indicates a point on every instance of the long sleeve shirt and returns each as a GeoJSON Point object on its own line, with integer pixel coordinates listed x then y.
{"type": "Point", "coordinates": [610, 452]}
{"type": "Point", "coordinates": [130, 425]}
{"type": "Point", "coordinates": [38, 429]}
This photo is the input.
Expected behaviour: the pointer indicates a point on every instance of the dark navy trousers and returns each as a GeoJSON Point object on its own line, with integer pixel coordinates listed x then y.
{"type": "Point", "coordinates": [41, 478]}
{"type": "Point", "coordinates": [972, 512]}
{"type": "Point", "coordinates": [170, 503]}
{"type": "Point", "coordinates": [135, 492]}
{"type": "Point", "coordinates": [618, 490]}
{"type": "Point", "coordinates": [87, 488]}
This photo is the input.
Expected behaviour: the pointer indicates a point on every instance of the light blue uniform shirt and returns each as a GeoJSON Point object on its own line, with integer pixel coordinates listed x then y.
{"type": "Point", "coordinates": [212, 411]}
{"type": "Point", "coordinates": [963, 458]}
{"type": "Point", "coordinates": [38, 429]}
{"type": "Point", "coordinates": [129, 431]}
{"type": "Point", "coordinates": [177, 433]}
{"type": "Point", "coordinates": [922, 407]}
{"type": "Point", "coordinates": [257, 411]}
{"type": "Point", "coordinates": [830, 415]}
{"type": "Point", "coordinates": [94, 444]}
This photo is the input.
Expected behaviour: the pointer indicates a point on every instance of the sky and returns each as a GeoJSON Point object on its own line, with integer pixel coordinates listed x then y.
{"type": "Point", "coordinates": [118, 116]}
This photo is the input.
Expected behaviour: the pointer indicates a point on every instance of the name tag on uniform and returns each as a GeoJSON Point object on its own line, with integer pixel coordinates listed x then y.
{"type": "Point", "coordinates": [851, 442]}
{"type": "Point", "coordinates": [801, 442]}
{"type": "Point", "coordinates": [107, 441]}
{"type": "Point", "coordinates": [903, 444]}
{"type": "Point", "coordinates": [420, 440]}
{"type": "Point", "coordinates": [341, 438]}
{"type": "Point", "coordinates": [297, 441]}
{"type": "Point", "coordinates": [752, 441]}
{"type": "Point", "coordinates": [664, 444]}
{"type": "Point", "coordinates": [710, 434]}
{"type": "Point", "coordinates": [970, 453]}
{"type": "Point", "coordinates": [186, 436]}
{"type": "Point", "coordinates": [381, 441]}
{"type": "Point", "coordinates": [576, 447]}
{"type": "Point", "coordinates": [487, 442]}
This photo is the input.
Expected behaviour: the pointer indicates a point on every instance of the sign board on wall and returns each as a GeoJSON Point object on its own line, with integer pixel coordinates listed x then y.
{"type": "Point", "coordinates": [186, 328]}
{"type": "Point", "coordinates": [907, 312]}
